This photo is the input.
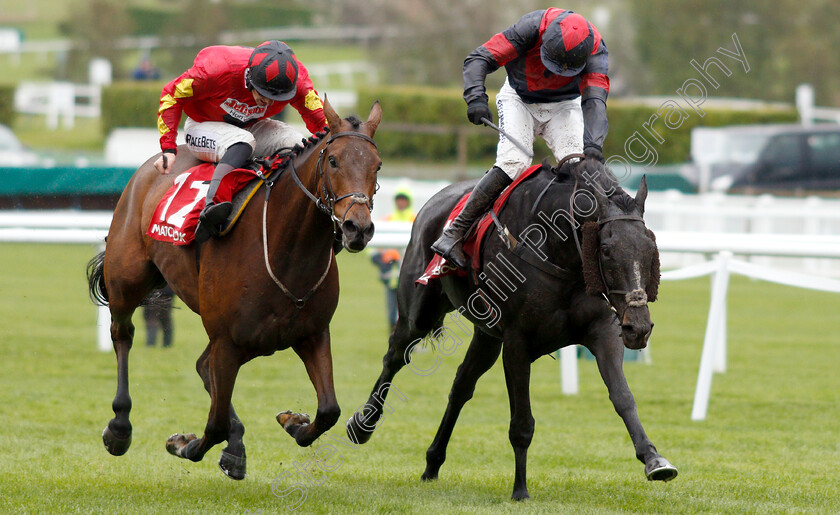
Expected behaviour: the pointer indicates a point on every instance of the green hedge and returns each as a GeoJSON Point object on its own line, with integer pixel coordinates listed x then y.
{"type": "Point", "coordinates": [165, 19]}
{"type": "Point", "coordinates": [417, 105]}
{"type": "Point", "coordinates": [626, 119]}
{"type": "Point", "coordinates": [7, 104]}
{"type": "Point", "coordinates": [130, 104]}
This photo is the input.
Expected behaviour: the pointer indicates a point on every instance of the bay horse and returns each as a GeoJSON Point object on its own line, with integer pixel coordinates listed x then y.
{"type": "Point", "coordinates": [531, 297]}
{"type": "Point", "coordinates": [245, 285]}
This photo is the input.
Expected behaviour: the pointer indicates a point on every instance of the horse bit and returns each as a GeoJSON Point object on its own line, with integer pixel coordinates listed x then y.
{"type": "Point", "coordinates": [327, 208]}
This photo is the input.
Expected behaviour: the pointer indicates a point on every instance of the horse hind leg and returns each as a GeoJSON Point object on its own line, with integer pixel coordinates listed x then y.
{"type": "Point", "coordinates": [481, 355]}
{"type": "Point", "coordinates": [124, 288]}
{"type": "Point", "coordinates": [224, 363]}
{"type": "Point", "coordinates": [405, 336]}
{"type": "Point", "coordinates": [518, 378]}
{"type": "Point", "coordinates": [232, 461]}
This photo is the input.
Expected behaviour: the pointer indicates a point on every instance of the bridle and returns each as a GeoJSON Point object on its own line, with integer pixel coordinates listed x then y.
{"type": "Point", "coordinates": [326, 200]}
{"type": "Point", "coordinates": [633, 298]}
{"type": "Point", "coordinates": [326, 207]}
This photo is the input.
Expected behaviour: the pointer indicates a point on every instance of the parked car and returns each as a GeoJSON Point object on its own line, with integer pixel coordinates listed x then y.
{"type": "Point", "coordinates": [790, 160]}
{"type": "Point", "coordinates": [13, 152]}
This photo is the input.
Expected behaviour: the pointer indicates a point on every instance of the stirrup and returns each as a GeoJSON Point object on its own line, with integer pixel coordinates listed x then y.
{"type": "Point", "coordinates": [210, 220]}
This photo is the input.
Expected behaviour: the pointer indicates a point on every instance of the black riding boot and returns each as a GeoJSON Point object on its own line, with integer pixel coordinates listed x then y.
{"type": "Point", "coordinates": [481, 198]}
{"type": "Point", "coordinates": [213, 215]}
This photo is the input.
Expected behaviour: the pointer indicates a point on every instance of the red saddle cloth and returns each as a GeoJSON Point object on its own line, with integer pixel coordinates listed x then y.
{"type": "Point", "coordinates": [176, 215]}
{"type": "Point", "coordinates": [438, 266]}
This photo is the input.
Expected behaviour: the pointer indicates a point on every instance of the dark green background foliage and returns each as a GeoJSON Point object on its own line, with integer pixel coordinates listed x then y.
{"type": "Point", "coordinates": [130, 104]}
{"type": "Point", "coordinates": [7, 104]}
{"type": "Point", "coordinates": [417, 105]}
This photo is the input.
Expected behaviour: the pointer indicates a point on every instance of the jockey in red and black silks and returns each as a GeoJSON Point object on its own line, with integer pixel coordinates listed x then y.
{"type": "Point", "coordinates": [229, 96]}
{"type": "Point", "coordinates": [556, 88]}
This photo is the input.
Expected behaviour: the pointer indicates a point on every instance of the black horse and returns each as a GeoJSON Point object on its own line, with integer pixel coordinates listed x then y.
{"type": "Point", "coordinates": [576, 266]}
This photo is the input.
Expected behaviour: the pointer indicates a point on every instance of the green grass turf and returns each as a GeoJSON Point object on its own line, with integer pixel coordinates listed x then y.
{"type": "Point", "coordinates": [770, 444]}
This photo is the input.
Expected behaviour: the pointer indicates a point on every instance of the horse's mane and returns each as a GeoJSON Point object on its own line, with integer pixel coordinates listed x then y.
{"type": "Point", "coordinates": [591, 174]}
{"type": "Point", "coordinates": [284, 155]}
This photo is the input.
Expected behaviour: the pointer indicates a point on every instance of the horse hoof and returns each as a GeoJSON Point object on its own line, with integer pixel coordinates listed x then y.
{"type": "Point", "coordinates": [660, 469]}
{"type": "Point", "coordinates": [232, 466]}
{"type": "Point", "coordinates": [355, 433]}
{"type": "Point", "coordinates": [176, 443]}
{"type": "Point", "coordinates": [290, 420]}
{"type": "Point", "coordinates": [115, 445]}
{"type": "Point", "coordinates": [520, 495]}
{"type": "Point", "coordinates": [429, 476]}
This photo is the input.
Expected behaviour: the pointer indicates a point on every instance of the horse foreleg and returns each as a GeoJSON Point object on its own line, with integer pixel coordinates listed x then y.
{"type": "Point", "coordinates": [610, 359]}
{"type": "Point", "coordinates": [317, 358]}
{"type": "Point", "coordinates": [481, 355]}
{"type": "Point", "coordinates": [117, 434]}
{"type": "Point", "coordinates": [232, 461]}
{"type": "Point", "coordinates": [224, 362]}
{"type": "Point", "coordinates": [518, 379]}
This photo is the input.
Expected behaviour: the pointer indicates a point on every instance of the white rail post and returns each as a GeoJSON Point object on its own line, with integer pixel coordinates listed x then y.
{"type": "Point", "coordinates": [569, 370]}
{"type": "Point", "coordinates": [717, 307]}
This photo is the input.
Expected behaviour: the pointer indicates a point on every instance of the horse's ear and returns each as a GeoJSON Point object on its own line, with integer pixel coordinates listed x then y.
{"type": "Point", "coordinates": [641, 195]}
{"type": "Point", "coordinates": [333, 120]}
{"type": "Point", "coordinates": [374, 117]}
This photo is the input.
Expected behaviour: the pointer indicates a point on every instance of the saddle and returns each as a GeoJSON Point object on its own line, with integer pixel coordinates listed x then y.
{"type": "Point", "coordinates": [176, 215]}
{"type": "Point", "coordinates": [439, 267]}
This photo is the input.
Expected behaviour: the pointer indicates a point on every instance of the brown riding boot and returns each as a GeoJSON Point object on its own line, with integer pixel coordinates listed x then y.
{"type": "Point", "coordinates": [481, 199]}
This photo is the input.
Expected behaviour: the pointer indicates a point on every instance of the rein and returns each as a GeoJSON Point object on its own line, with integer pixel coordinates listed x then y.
{"type": "Point", "coordinates": [327, 208]}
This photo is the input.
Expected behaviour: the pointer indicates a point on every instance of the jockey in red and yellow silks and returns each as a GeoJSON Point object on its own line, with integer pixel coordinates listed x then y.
{"type": "Point", "coordinates": [229, 96]}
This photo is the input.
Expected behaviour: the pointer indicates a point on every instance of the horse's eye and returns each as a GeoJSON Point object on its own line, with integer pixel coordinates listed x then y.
{"type": "Point", "coordinates": [605, 251]}
{"type": "Point", "coordinates": [333, 162]}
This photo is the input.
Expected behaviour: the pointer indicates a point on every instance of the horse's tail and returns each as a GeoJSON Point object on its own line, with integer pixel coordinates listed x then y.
{"type": "Point", "coordinates": [96, 280]}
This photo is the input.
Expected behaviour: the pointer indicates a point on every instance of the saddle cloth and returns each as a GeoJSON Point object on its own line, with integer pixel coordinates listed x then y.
{"type": "Point", "coordinates": [176, 216]}
{"type": "Point", "coordinates": [438, 266]}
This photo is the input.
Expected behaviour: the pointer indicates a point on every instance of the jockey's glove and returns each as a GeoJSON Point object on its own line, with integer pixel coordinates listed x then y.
{"type": "Point", "coordinates": [593, 152]}
{"type": "Point", "coordinates": [478, 109]}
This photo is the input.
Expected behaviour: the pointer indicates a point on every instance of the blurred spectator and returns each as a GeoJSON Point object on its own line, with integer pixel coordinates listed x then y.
{"type": "Point", "coordinates": [388, 260]}
{"type": "Point", "coordinates": [158, 315]}
{"type": "Point", "coordinates": [146, 70]}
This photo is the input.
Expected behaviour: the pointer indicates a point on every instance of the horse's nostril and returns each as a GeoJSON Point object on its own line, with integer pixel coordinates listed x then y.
{"type": "Point", "coordinates": [349, 227]}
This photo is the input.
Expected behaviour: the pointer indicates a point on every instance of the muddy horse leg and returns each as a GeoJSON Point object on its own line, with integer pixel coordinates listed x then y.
{"type": "Point", "coordinates": [232, 461]}
{"type": "Point", "coordinates": [609, 357]}
{"type": "Point", "coordinates": [518, 379]}
{"type": "Point", "coordinates": [317, 358]}
{"type": "Point", "coordinates": [481, 355]}
{"type": "Point", "coordinates": [224, 362]}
